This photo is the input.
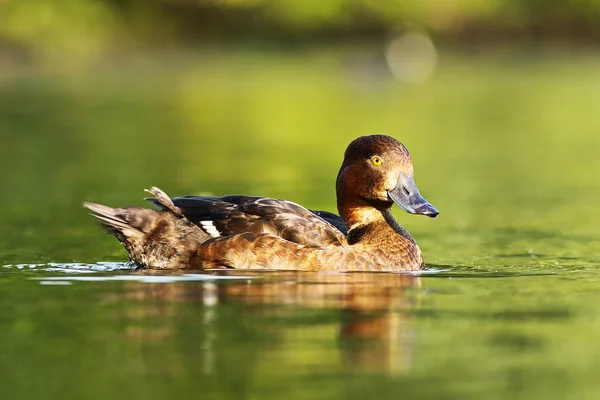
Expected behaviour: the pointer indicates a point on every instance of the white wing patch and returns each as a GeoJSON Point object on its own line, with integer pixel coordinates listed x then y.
{"type": "Point", "coordinates": [209, 227]}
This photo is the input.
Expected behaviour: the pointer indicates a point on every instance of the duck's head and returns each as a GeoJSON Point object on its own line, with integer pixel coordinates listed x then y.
{"type": "Point", "coordinates": [378, 170]}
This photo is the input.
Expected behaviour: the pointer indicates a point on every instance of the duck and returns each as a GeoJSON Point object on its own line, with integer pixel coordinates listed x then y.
{"type": "Point", "coordinates": [252, 232]}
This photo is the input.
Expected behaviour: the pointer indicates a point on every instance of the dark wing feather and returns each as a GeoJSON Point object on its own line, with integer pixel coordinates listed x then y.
{"type": "Point", "coordinates": [333, 219]}
{"type": "Point", "coordinates": [236, 214]}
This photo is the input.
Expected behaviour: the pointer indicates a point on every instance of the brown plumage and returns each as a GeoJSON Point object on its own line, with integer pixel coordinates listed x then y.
{"type": "Point", "coordinates": [239, 231]}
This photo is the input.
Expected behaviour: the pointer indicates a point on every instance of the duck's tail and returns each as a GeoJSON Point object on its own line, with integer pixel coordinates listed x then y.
{"type": "Point", "coordinates": [126, 223]}
{"type": "Point", "coordinates": [160, 239]}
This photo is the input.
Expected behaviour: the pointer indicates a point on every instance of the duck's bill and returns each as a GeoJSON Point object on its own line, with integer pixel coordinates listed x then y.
{"type": "Point", "coordinates": [407, 196]}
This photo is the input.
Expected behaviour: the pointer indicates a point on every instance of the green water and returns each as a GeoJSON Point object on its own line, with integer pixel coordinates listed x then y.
{"type": "Point", "coordinates": [506, 147]}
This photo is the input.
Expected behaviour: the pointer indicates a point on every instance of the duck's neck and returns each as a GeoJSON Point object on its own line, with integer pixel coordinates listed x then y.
{"type": "Point", "coordinates": [369, 224]}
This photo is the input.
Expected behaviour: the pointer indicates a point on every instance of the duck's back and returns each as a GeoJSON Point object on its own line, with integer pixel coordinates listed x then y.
{"type": "Point", "coordinates": [238, 214]}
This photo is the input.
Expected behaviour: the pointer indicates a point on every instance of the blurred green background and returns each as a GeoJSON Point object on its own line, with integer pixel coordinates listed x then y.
{"type": "Point", "coordinates": [85, 31]}
{"type": "Point", "coordinates": [496, 100]}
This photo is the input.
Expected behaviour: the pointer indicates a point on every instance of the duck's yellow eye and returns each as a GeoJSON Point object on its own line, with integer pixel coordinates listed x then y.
{"type": "Point", "coordinates": [376, 160]}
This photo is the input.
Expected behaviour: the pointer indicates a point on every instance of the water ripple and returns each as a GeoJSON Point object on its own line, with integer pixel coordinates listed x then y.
{"type": "Point", "coordinates": [74, 268]}
{"type": "Point", "coordinates": [140, 278]}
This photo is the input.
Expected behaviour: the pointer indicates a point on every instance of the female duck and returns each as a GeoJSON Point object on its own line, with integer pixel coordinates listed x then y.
{"type": "Point", "coordinates": [257, 232]}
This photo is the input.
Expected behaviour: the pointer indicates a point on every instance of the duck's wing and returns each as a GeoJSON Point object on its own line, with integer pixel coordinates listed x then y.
{"type": "Point", "coordinates": [238, 214]}
{"type": "Point", "coordinates": [333, 219]}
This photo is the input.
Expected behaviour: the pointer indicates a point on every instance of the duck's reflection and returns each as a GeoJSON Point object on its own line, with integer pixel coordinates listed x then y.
{"type": "Point", "coordinates": [360, 319]}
